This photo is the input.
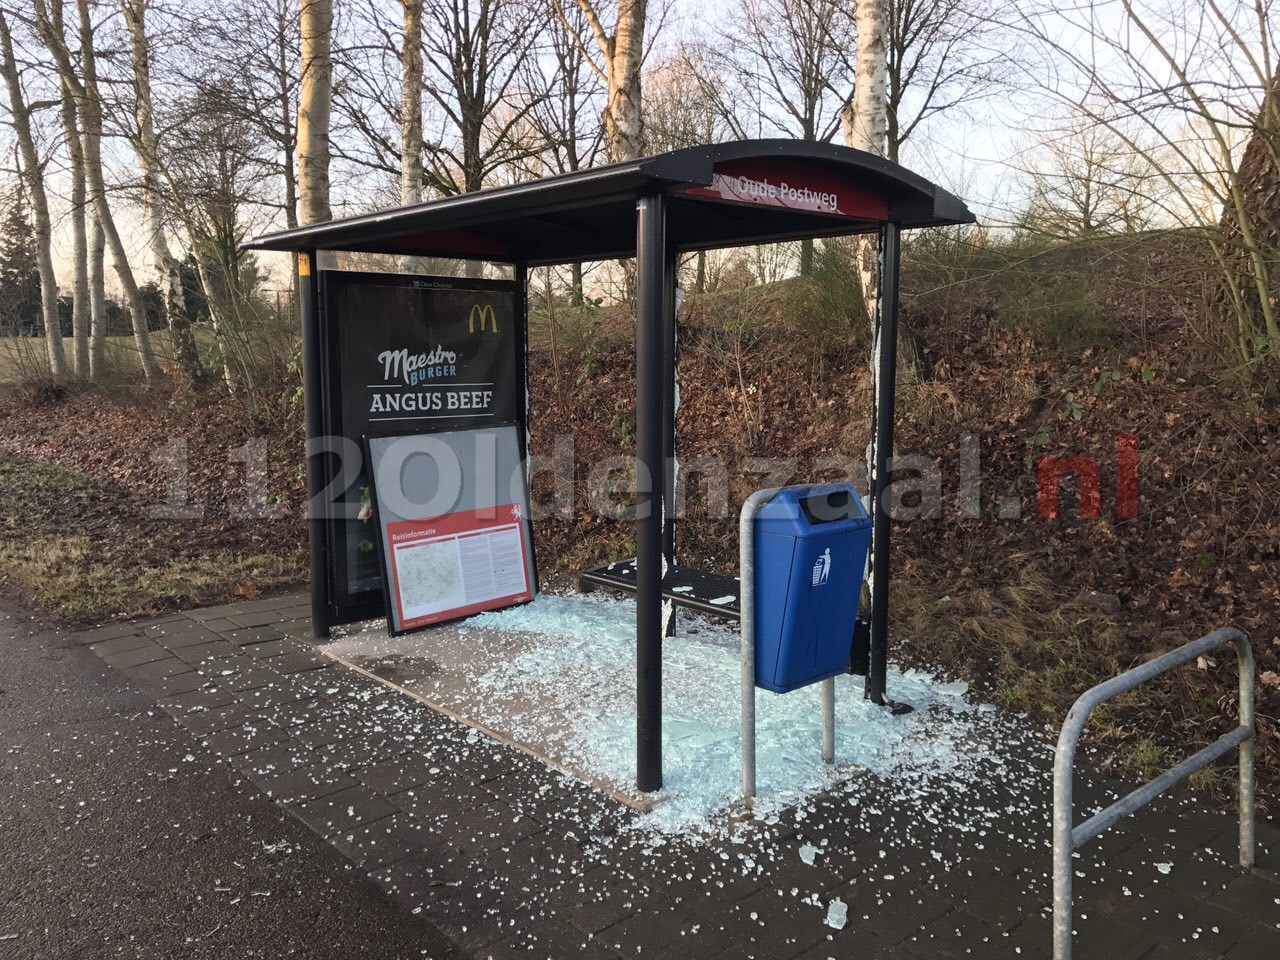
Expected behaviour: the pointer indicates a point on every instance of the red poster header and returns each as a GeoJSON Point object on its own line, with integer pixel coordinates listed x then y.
{"type": "Point", "coordinates": [792, 185]}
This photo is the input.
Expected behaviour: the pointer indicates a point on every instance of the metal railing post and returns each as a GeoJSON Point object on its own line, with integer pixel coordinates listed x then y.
{"type": "Point", "coordinates": [1067, 839]}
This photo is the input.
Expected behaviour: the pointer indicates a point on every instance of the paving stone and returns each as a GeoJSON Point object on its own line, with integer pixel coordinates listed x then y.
{"type": "Point", "coordinates": [257, 618]}
{"type": "Point", "coordinates": [202, 700]}
{"type": "Point", "coordinates": [251, 637]}
{"type": "Point", "coordinates": [345, 686]}
{"type": "Point", "coordinates": [851, 943]}
{"type": "Point", "coordinates": [418, 879]}
{"type": "Point", "coordinates": [275, 695]}
{"type": "Point", "coordinates": [344, 810]}
{"type": "Point", "coordinates": [955, 935]}
{"type": "Point", "coordinates": [174, 684]}
{"type": "Point", "coordinates": [1251, 896]}
{"type": "Point", "coordinates": [893, 911]}
{"type": "Point", "coordinates": [355, 753]}
{"type": "Point", "coordinates": [548, 938]}
{"type": "Point", "coordinates": [600, 898]}
{"type": "Point", "coordinates": [1259, 942]}
{"type": "Point", "coordinates": [157, 669]}
{"type": "Point", "coordinates": [494, 827]}
{"type": "Point", "coordinates": [220, 625]}
{"type": "Point", "coordinates": [234, 741]}
{"type": "Point", "coordinates": [109, 631]}
{"type": "Point", "coordinates": [991, 897]}
{"type": "Point", "coordinates": [136, 657]}
{"type": "Point", "coordinates": [265, 649]}
{"type": "Point", "coordinates": [1181, 922]}
{"type": "Point", "coordinates": [776, 923]}
{"type": "Point", "coordinates": [267, 761]}
{"type": "Point", "coordinates": [212, 651]}
{"type": "Point", "coordinates": [321, 730]}
{"type": "Point", "coordinates": [188, 635]}
{"type": "Point", "coordinates": [472, 920]}
{"type": "Point", "coordinates": [297, 715]}
{"type": "Point", "coordinates": [251, 677]}
{"type": "Point", "coordinates": [119, 645]}
{"type": "Point", "coordinates": [306, 782]}
{"type": "Point", "coordinates": [298, 662]}
{"type": "Point", "coordinates": [384, 841]}
{"type": "Point", "coordinates": [222, 718]}
{"type": "Point", "coordinates": [398, 774]}
{"type": "Point", "coordinates": [668, 930]}
{"type": "Point", "coordinates": [445, 797]}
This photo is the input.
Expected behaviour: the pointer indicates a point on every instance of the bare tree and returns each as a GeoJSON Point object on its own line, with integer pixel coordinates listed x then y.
{"type": "Point", "coordinates": [143, 136]}
{"type": "Point", "coordinates": [680, 113]}
{"type": "Point", "coordinates": [786, 61]}
{"type": "Point", "coordinates": [84, 88]}
{"type": "Point", "coordinates": [316, 70]}
{"type": "Point", "coordinates": [33, 175]}
{"type": "Point", "coordinates": [782, 67]}
{"type": "Point", "coordinates": [566, 132]}
{"type": "Point", "coordinates": [81, 312]}
{"type": "Point", "coordinates": [621, 53]}
{"type": "Point", "coordinates": [475, 49]}
{"type": "Point", "coordinates": [258, 41]}
{"type": "Point", "coordinates": [473, 52]}
{"type": "Point", "coordinates": [1085, 182]}
{"type": "Point", "coordinates": [940, 55]}
{"type": "Point", "coordinates": [1185, 89]}
{"type": "Point", "coordinates": [215, 168]}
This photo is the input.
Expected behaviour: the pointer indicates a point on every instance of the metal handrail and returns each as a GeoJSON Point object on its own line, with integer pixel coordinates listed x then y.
{"type": "Point", "coordinates": [1066, 839]}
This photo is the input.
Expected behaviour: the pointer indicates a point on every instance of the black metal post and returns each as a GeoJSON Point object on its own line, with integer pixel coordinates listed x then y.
{"type": "Point", "coordinates": [317, 457]}
{"type": "Point", "coordinates": [669, 342]}
{"type": "Point", "coordinates": [651, 289]}
{"type": "Point", "coordinates": [882, 452]}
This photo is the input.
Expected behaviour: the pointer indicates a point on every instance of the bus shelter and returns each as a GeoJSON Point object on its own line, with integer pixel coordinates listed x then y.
{"type": "Point", "coordinates": [653, 209]}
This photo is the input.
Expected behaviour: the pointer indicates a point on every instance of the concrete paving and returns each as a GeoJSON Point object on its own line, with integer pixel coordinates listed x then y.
{"type": "Point", "coordinates": [509, 858]}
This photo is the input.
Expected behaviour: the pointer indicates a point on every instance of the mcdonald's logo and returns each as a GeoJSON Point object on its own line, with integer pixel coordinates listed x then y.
{"type": "Point", "coordinates": [484, 313]}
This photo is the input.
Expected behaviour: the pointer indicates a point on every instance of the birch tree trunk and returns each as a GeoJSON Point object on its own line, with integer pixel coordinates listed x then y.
{"type": "Point", "coordinates": [623, 55]}
{"type": "Point", "coordinates": [865, 118]}
{"type": "Point", "coordinates": [146, 147]}
{"type": "Point", "coordinates": [80, 309]}
{"type": "Point", "coordinates": [316, 66]}
{"type": "Point", "coordinates": [411, 106]}
{"type": "Point", "coordinates": [97, 298]}
{"type": "Point", "coordinates": [89, 106]}
{"type": "Point", "coordinates": [33, 174]}
{"type": "Point", "coordinates": [865, 123]}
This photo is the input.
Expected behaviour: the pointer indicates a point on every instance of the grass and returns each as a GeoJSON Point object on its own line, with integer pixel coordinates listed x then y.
{"type": "Point", "coordinates": [67, 577]}
{"type": "Point", "coordinates": [1033, 649]}
{"type": "Point", "coordinates": [26, 358]}
{"type": "Point", "coordinates": [83, 552]}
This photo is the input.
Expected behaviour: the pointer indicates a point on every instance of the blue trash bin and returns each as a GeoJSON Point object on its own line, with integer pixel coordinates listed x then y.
{"type": "Point", "coordinates": [810, 555]}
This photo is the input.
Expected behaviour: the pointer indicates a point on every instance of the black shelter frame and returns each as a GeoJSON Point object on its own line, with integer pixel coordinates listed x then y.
{"type": "Point", "coordinates": [654, 209]}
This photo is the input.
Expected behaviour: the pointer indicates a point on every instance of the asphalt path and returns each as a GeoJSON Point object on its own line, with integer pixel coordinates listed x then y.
{"type": "Point", "coordinates": [120, 837]}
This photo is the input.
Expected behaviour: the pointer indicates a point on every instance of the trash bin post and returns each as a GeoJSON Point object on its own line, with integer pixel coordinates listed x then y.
{"type": "Point", "coordinates": [827, 692]}
{"type": "Point", "coordinates": [747, 629]}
